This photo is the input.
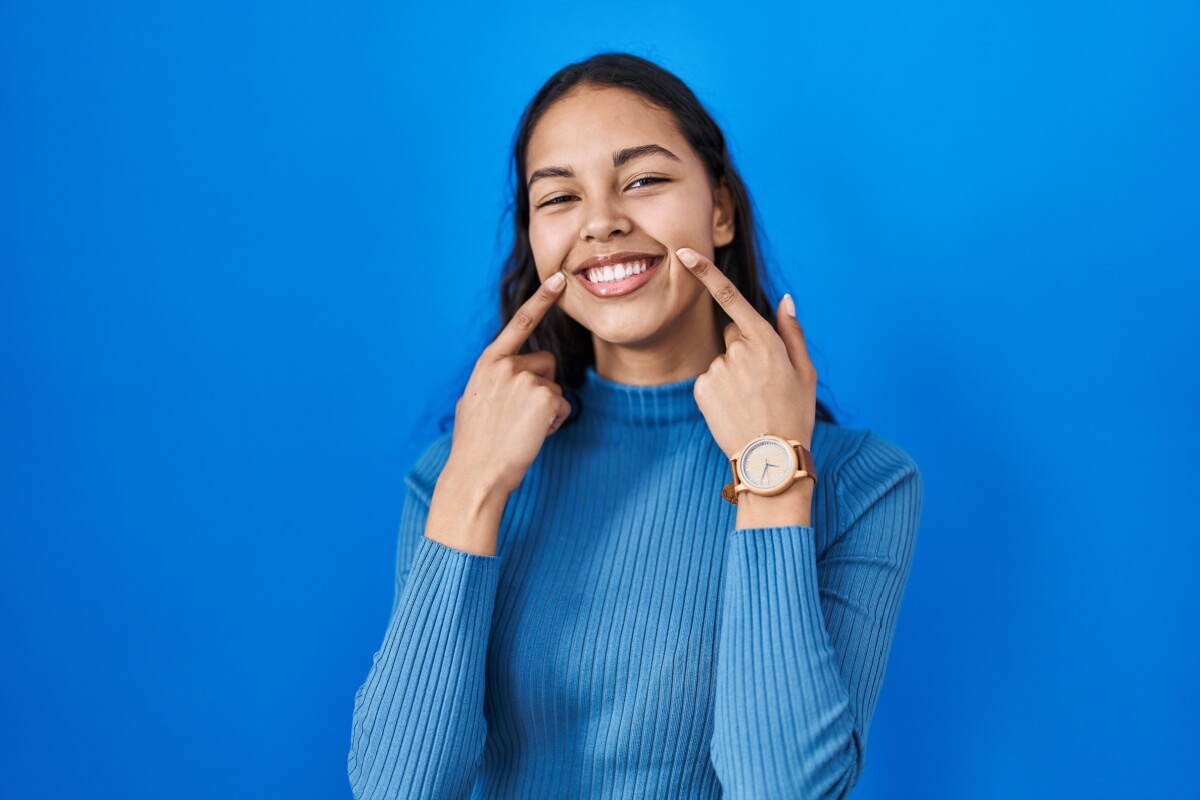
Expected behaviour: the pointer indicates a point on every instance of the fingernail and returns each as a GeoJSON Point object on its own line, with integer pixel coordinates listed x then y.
{"type": "Point", "coordinates": [789, 306]}
{"type": "Point", "coordinates": [687, 256]}
{"type": "Point", "coordinates": [556, 281]}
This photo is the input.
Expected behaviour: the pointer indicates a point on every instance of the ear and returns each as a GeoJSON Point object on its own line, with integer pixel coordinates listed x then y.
{"type": "Point", "coordinates": [723, 229]}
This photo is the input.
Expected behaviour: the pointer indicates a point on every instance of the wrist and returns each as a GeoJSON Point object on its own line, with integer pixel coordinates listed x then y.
{"type": "Point", "coordinates": [473, 489]}
{"type": "Point", "coordinates": [793, 506]}
{"type": "Point", "coordinates": [465, 512]}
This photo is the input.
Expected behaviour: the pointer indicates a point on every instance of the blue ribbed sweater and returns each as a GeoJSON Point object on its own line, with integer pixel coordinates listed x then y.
{"type": "Point", "coordinates": [625, 641]}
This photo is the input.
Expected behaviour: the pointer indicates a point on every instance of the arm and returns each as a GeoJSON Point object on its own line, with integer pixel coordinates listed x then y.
{"type": "Point", "coordinates": [804, 636]}
{"type": "Point", "coordinates": [418, 728]}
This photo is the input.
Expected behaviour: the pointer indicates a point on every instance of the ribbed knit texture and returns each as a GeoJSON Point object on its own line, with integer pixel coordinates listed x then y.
{"type": "Point", "coordinates": [625, 641]}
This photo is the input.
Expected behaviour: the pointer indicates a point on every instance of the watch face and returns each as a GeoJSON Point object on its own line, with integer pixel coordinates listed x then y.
{"type": "Point", "coordinates": [766, 463]}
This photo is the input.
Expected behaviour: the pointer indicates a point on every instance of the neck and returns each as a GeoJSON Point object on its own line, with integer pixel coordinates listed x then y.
{"type": "Point", "coordinates": [683, 353]}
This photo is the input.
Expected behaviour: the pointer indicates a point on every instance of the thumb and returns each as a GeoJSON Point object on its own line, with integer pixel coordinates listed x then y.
{"type": "Point", "coordinates": [792, 335]}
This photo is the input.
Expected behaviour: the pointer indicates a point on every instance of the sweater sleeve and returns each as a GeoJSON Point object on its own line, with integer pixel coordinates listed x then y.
{"type": "Point", "coordinates": [804, 636]}
{"type": "Point", "coordinates": [418, 729]}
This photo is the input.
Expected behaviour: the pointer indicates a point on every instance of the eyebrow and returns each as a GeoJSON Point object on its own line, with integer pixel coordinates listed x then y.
{"type": "Point", "coordinates": [619, 158]}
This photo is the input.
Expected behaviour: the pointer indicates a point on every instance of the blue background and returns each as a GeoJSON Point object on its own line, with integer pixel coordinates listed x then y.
{"type": "Point", "coordinates": [248, 250]}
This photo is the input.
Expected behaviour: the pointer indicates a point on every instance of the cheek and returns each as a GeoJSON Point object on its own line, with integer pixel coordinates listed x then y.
{"type": "Point", "coordinates": [548, 247]}
{"type": "Point", "coordinates": [535, 245]}
{"type": "Point", "coordinates": [680, 222]}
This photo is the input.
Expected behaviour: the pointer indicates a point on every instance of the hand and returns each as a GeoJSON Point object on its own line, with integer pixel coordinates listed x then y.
{"type": "Point", "coordinates": [511, 403]}
{"type": "Point", "coordinates": [765, 381]}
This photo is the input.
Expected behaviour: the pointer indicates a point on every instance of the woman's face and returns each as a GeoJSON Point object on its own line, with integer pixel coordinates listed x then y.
{"type": "Point", "coordinates": [614, 190]}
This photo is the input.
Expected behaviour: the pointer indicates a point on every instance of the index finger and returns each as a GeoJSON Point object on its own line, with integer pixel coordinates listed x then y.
{"type": "Point", "coordinates": [735, 304]}
{"type": "Point", "coordinates": [508, 342]}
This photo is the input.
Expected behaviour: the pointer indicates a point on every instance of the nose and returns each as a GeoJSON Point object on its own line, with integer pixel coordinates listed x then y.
{"type": "Point", "coordinates": [602, 220]}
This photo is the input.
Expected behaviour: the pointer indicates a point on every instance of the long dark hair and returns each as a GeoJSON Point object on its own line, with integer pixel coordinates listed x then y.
{"type": "Point", "coordinates": [557, 333]}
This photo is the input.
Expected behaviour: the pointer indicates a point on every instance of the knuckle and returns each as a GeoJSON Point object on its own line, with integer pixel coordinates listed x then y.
{"type": "Point", "coordinates": [726, 295]}
{"type": "Point", "coordinates": [522, 319]}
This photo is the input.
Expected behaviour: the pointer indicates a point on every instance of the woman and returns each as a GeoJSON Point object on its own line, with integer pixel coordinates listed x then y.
{"type": "Point", "coordinates": [583, 607]}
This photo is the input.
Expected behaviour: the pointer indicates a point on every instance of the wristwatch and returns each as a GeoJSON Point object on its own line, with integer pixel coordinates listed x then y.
{"type": "Point", "coordinates": [767, 466]}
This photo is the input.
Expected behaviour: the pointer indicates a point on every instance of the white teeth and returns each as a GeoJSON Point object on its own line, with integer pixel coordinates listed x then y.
{"type": "Point", "coordinates": [619, 272]}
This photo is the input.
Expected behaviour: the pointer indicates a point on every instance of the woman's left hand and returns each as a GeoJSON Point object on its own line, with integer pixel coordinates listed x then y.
{"type": "Point", "coordinates": [765, 381]}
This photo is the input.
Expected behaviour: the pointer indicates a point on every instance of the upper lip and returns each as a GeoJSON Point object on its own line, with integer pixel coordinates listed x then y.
{"type": "Point", "coordinates": [611, 259]}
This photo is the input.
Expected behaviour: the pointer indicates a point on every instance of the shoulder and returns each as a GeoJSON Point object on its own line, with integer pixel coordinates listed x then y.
{"type": "Point", "coordinates": [864, 469]}
{"type": "Point", "coordinates": [423, 475]}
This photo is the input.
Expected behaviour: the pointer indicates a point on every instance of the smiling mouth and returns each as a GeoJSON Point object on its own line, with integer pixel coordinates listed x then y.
{"type": "Point", "coordinates": [619, 280]}
{"type": "Point", "coordinates": [619, 272]}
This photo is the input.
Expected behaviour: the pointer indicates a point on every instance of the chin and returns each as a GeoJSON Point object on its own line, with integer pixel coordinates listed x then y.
{"type": "Point", "coordinates": [634, 333]}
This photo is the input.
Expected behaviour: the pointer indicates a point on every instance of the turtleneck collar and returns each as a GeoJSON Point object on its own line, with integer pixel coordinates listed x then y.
{"type": "Point", "coordinates": [647, 405]}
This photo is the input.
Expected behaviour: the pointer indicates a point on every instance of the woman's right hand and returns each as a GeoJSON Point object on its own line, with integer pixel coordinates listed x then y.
{"type": "Point", "coordinates": [511, 403]}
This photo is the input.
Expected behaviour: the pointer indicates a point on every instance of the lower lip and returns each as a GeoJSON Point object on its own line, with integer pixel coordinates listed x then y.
{"type": "Point", "coordinates": [623, 286]}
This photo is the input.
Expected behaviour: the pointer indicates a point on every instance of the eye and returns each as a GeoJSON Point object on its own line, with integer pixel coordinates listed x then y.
{"type": "Point", "coordinates": [647, 180]}
{"type": "Point", "coordinates": [554, 201]}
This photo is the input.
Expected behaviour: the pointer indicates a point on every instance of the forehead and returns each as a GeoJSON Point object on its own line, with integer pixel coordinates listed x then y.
{"type": "Point", "coordinates": [592, 123]}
